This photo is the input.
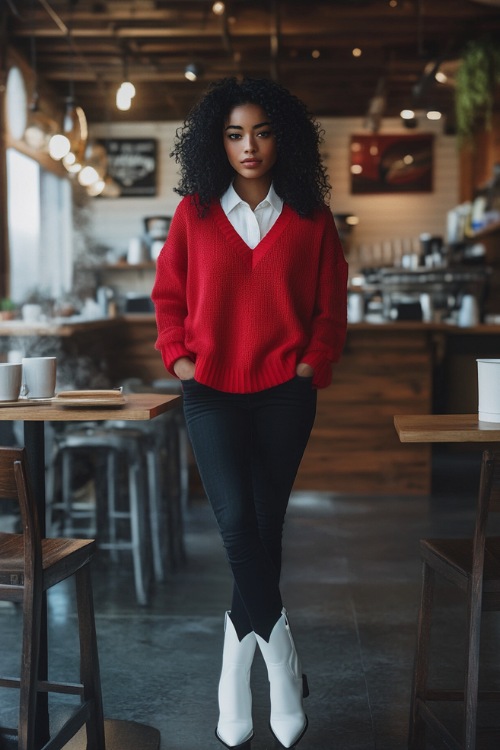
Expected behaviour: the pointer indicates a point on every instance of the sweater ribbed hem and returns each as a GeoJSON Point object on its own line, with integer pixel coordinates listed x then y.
{"type": "Point", "coordinates": [239, 380]}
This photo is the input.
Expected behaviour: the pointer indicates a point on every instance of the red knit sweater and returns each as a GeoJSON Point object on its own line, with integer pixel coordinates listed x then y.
{"type": "Point", "coordinates": [248, 317]}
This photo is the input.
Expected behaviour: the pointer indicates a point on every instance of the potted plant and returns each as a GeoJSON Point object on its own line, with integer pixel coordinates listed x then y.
{"type": "Point", "coordinates": [477, 79]}
{"type": "Point", "coordinates": [8, 309]}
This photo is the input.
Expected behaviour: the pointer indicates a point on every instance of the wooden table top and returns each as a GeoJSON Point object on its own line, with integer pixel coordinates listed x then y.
{"type": "Point", "coordinates": [138, 406]}
{"type": "Point", "coordinates": [445, 428]}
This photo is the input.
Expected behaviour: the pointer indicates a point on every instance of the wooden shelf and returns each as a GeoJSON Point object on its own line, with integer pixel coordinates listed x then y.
{"type": "Point", "coordinates": [149, 265]}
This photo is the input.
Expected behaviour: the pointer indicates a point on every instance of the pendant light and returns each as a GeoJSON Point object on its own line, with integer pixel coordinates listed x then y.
{"type": "Point", "coordinates": [39, 127]}
{"type": "Point", "coordinates": [126, 91]}
{"type": "Point", "coordinates": [69, 144]}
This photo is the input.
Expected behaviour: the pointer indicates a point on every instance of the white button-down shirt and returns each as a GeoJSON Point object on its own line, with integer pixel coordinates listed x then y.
{"type": "Point", "coordinates": [252, 226]}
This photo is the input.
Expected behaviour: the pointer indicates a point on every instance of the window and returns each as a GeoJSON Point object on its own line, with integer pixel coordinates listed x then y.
{"type": "Point", "coordinates": [40, 229]}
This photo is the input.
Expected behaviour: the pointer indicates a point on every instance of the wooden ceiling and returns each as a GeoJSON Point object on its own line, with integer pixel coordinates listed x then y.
{"type": "Point", "coordinates": [85, 45]}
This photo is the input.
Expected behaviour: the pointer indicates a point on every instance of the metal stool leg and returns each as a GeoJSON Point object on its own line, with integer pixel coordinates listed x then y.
{"type": "Point", "coordinates": [154, 512]}
{"type": "Point", "coordinates": [138, 534]}
{"type": "Point", "coordinates": [112, 485]}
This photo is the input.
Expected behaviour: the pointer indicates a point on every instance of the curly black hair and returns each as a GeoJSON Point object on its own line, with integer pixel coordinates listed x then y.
{"type": "Point", "coordinates": [299, 176]}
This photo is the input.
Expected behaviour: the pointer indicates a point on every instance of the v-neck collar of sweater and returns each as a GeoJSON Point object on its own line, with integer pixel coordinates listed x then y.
{"type": "Point", "coordinates": [233, 238]}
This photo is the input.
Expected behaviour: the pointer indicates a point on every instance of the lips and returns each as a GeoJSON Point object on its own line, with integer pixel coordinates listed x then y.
{"type": "Point", "coordinates": [251, 162]}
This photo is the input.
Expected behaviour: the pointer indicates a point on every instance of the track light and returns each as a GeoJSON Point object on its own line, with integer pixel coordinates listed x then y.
{"type": "Point", "coordinates": [409, 118]}
{"type": "Point", "coordinates": [192, 71]}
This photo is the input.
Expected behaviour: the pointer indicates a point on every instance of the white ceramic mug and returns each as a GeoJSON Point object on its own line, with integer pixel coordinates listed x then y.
{"type": "Point", "coordinates": [469, 311]}
{"type": "Point", "coordinates": [355, 307]}
{"type": "Point", "coordinates": [39, 377]}
{"type": "Point", "coordinates": [10, 380]}
{"type": "Point", "coordinates": [488, 381]}
{"type": "Point", "coordinates": [31, 313]}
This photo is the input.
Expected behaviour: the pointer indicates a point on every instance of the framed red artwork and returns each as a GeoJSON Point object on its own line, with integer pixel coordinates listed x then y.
{"type": "Point", "coordinates": [391, 163]}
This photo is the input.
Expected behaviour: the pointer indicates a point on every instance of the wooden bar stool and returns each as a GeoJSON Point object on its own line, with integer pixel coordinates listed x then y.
{"type": "Point", "coordinates": [29, 566]}
{"type": "Point", "coordinates": [473, 565]}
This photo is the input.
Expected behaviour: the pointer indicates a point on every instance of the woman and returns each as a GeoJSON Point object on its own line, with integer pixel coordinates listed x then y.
{"type": "Point", "coordinates": [250, 299]}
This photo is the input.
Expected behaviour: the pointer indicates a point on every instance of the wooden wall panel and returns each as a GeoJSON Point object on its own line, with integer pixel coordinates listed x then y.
{"type": "Point", "coordinates": [354, 447]}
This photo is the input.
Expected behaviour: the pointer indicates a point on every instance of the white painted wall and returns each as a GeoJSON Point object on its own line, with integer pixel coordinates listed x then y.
{"type": "Point", "coordinates": [382, 218]}
{"type": "Point", "coordinates": [116, 220]}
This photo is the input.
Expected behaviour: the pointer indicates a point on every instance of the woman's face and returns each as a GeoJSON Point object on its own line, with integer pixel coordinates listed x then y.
{"type": "Point", "coordinates": [249, 141]}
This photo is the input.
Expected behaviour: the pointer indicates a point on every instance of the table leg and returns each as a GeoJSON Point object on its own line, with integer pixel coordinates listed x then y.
{"type": "Point", "coordinates": [120, 734]}
{"type": "Point", "coordinates": [34, 441]}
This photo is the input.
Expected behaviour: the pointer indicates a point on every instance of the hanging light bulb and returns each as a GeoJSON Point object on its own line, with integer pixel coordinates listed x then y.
{"type": "Point", "coordinates": [71, 163]}
{"type": "Point", "coordinates": [96, 188]}
{"type": "Point", "coordinates": [59, 146]}
{"type": "Point", "coordinates": [128, 89]}
{"type": "Point", "coordinates": [123, 101]}
{"type": "Point", "coordinates": [69, 145]}
{"type": "Point", "coordinates": [218, 8]}
{"type": "Point", "coordinates": [87, 176]}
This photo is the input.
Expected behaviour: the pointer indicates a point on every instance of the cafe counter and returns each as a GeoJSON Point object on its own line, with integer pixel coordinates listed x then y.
{"type": "Point", "coordinates": [386, 369]}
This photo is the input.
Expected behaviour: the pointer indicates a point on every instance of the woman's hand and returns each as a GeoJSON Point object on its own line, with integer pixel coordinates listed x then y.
{"type": "Point", "coordinates": [184, 368]}
{"type": "Point", "coordinates": [304, 370]}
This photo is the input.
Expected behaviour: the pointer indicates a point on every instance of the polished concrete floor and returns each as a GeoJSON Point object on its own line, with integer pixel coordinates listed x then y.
{"type": "Point", "coordinates": [351, 581]}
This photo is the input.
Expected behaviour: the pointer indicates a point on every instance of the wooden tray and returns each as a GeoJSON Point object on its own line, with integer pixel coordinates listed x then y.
{"type": "Point", "coordinates": [90, 402]}
{"type": "Point", "coordinates": [90, 399]}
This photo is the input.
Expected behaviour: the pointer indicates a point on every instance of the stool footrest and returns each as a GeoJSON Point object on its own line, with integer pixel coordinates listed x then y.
{"type": "Point", "coordinates": [44, 686]}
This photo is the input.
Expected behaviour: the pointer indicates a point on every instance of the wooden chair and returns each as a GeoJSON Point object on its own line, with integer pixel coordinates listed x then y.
{"type": "Point", "coordinates": [473, 565]}
{"type": "Point", "coordinates": [29, 566]}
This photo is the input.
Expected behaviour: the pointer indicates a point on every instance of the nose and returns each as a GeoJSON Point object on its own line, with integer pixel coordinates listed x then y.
{"type": "Point", "coordinates": [249, 144]}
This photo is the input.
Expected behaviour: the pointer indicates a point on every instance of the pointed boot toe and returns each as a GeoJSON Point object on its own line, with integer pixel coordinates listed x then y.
{"type": "Point", "coordinates": [288, 733]}
{"type": "Point", "coordinates": [288, 686]}
{"type": "Point", "coordinates": [245, 745]}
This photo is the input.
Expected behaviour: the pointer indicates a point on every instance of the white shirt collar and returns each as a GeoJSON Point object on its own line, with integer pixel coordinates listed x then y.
{"type": "Point", "coordinates": [231, 199]}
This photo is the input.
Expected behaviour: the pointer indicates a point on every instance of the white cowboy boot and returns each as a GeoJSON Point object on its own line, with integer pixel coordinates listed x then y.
{"type": "Point", "coordinates": [288, 685]}
{"type": "Point", "coordinates": [235, 727]}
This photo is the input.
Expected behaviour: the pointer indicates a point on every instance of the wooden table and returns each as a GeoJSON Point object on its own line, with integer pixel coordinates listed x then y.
{"type": "Point", "coordinates": [120, 735]}
{"type": "Point", "coordinates": [445, 428]}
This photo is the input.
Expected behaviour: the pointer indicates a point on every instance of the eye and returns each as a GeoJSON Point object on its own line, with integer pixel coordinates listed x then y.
{"type": "Point", "coordinates": [265, 134]}
{"type": "Point", "coordinates": [234, 136]}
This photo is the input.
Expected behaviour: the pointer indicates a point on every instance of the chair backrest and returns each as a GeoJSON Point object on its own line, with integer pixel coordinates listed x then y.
{"type": "Point", "coordinates": [488, 502]}
{"type": "Point", "coordinates": [15, 484]}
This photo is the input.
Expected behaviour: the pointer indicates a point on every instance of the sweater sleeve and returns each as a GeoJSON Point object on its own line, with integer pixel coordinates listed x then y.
{"type": "Point", "coordinates": [169, 292]}
{"type": "Point", "coordinates": [329, 325]}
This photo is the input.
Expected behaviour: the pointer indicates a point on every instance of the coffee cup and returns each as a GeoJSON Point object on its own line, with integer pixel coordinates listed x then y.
{"type": "Point", "coordinates": [31, 313]}
{"type": "Point", "coordinates": [355, 307]}
{"type": "Point", "coordinates": [10, 380]}
{"type": "Point", "coordinates": [469, 311]}
{"type": "Point", "coordinates": [488, 381]}
{"type": "Point", "coordinates": [39, 376]}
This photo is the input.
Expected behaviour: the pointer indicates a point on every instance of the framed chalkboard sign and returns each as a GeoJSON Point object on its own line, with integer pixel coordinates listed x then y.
{"type": "Point", "coordinates": [132, 165]}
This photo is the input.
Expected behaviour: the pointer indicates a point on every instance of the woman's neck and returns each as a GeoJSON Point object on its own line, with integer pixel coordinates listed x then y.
{"type": "Point", "coordinates": [252, 191]}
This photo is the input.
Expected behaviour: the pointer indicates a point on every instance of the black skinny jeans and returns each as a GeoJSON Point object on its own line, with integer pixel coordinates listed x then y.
{"type": "Point", "coordinates": [248, 448]}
